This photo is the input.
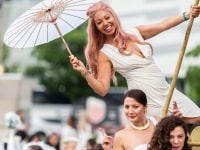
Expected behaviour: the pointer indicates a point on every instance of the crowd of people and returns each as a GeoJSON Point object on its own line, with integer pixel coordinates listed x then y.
{"type": "Point", "coordinates": [142, 132]}
{"type": "Point", "coordinates": [76, 134]}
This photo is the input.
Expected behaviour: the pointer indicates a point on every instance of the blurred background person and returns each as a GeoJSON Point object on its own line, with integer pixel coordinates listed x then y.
{"type": "Point", "coordinates": [70, 144]}
{"type": "Point", "coordinates": [37, 136]}
{"type": "Point", "coordinates": [84, 130]}
{"type": "Point", "coordinates": [23, 125]}
{"type": "Point", "coordinates": [34, 147]}
{"type": "Point", "coordinates": [98, 146]}
{"type": "Point", "coordinates": [54, 140]}
{"type": "Point", "coordinates": [90, 144]}
{"type": "Point", "coordinates": [69, 129]}
{"type": "Point", "coordinates": [23, 138]}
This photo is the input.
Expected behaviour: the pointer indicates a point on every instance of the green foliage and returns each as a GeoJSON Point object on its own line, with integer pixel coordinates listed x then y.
{"type": "Point", "coordinates": [120, 80]}
{"type": "Point", "coordinates": [12, 67]}
{"type": "Point", "coordinates": [192, 77]}
{"type": "Point", "coordinates": [6, 52]}
{"type": "Point", "coordinates": [194, 52]}
{"type": "Point", "coordinates": [54, 70]}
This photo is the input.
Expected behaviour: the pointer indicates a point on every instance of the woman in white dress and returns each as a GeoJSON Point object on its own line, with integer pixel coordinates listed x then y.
{"type": "Point", "coordinates": [111, 49]}
{"type": "Point", "coordinates": [138, 133]}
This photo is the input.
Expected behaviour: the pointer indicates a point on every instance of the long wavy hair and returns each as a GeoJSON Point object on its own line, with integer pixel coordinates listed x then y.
{"type": "Point", "coordinates": [96, 39]}
{"type": "Point", "coordinates": [161, 136]}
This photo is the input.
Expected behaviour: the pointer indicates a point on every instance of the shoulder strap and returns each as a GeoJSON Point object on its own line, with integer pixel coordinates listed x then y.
{"type": "Point", "coordinates": [136, 32]}
{"type": "Point", "coordinates": [153, 120]}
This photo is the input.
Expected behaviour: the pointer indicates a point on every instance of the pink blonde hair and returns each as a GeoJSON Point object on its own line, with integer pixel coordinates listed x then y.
{"type": "Point", "coordinates": [96, 39]}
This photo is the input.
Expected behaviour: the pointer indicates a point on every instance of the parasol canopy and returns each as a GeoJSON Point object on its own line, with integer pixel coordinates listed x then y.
{"type": "Point", "coordinates": [47, 21]}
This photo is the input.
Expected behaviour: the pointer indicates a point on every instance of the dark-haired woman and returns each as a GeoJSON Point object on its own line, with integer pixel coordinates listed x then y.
{"type": "Point", "coordinates": [170, 134]}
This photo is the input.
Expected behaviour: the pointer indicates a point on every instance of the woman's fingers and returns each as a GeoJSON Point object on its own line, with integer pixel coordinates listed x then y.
{"type": "Point", "coordinates": [175, 106]}
{"type": "Point", "coordinates": [195, 10]}
{"type": "Point", "coordinates": [176, 111]}
{"type": "Point", "coordinates": [73, 59]}
{"type": "Point", "coordinates": [76, 63]}
{"type": "Point", "coordinates": [107, 139]}
{"type": "Point", "coordinates": [102, 132]}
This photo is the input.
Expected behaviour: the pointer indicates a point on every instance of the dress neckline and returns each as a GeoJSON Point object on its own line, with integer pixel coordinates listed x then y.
{"type": "Point", "coordinates": [133, 54]}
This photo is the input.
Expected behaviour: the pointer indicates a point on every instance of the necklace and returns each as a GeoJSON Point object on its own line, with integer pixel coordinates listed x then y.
{"type": "Point", "coordinates": [142, 127]}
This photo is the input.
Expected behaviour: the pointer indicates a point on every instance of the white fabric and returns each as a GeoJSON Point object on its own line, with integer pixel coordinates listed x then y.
{"type": "Point", "coordinates": [41, 144]}
{"type": "Point", "coordinates": [141, 147]}
{"type": "Point", "coordinates": [68, 132]}
{"type": "Point", "coordinates": [142, 73]}
{"type": "Point", "coordinates": [144, 146]}
{"type": "Point", "coordinates": [153, 120]}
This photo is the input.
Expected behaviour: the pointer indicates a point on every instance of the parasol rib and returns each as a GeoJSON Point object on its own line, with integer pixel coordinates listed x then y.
{"type": "Point", "coordinates": [178, 65]}
{"type": "Point", "coordinates": [46, 21]}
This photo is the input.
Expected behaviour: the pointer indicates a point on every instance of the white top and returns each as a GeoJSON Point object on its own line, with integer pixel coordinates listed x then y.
{"type": "Point", "coordinates": [141, 147]}
{"type": "Point", "coordinates": [142, 73]}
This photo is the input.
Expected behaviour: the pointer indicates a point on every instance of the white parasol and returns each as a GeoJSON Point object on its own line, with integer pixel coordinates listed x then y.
{"type": "Point", "coordinates": [47, 21]}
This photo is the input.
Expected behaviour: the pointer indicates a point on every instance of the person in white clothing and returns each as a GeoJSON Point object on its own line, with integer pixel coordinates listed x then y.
{"type": "Point", "coordinates": [69, 129]}
{"type": "Point", "coordinates": [138, 133]}
{"type": "Point", "coordinates": [112, 49]}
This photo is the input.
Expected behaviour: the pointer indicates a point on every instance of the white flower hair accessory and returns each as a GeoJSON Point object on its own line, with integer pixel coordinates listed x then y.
{"type": "Point", "coordinates": [12, 119]}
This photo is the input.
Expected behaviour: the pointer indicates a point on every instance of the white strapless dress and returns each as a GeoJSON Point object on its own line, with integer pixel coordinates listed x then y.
{"type": "Point", "coordinates": [142, 73]}
{"type": "Point", "coordinates": [141, 147]}
{"type": "Point", "coordinates": [144, 146]}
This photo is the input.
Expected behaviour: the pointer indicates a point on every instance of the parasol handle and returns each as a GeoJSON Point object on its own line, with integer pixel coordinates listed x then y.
{"type": "Point", "coordinates": [62, 38]}
{"type": "Point", "coordinates": [178, 65]}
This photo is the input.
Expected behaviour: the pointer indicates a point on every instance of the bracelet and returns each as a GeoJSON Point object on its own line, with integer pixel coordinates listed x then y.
{"type": "Point", "coordinates": [85, 73]}
{"type": "Point", "coordinates": [185, 18]}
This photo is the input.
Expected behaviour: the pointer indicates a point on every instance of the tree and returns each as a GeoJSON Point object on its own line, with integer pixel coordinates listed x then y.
{"type": "Point", "coordinates": [192, 77]}
{"type": "Point", "coordinates": [54, 70]}
{"type": "Point", "coordinates": [8, 67]}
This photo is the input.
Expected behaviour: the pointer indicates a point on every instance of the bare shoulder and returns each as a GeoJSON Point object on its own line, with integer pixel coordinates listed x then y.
{"type": "Point", "coordinates": [103, 58]}
{"type": "Point", "coordinates": [121, 133]}
{"type": "Point", "coordinates": [102, 55]}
